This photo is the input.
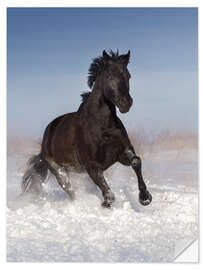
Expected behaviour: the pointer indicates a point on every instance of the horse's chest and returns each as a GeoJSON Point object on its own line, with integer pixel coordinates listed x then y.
{"type": "Point", "coordinates": [109, 148]}
{"type": "Point", "coordinates": [100, 146]}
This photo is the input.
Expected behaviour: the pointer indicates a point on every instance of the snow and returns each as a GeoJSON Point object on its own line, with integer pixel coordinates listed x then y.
{"type": "Point", "coordinates": [55, 229]}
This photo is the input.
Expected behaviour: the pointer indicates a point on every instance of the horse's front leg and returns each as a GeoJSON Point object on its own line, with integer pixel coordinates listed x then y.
{"type": "Point", "coordinates": [98, 178]}
{"type": "Point", "coordinates": [129, 155]}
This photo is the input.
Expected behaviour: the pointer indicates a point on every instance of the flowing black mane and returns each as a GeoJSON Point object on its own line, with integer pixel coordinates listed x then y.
{"type": "Point", "coordinates": [85, 96]}
{"type": "Point", "coordinates": [99, 64]}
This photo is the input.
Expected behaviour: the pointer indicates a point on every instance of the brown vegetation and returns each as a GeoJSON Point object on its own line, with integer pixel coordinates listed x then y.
{"type": "Point", "coordinates": [166, 140]}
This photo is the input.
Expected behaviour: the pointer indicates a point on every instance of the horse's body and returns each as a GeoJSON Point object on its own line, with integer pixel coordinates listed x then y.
{"type": "Point", "coordinates": [93, 138]}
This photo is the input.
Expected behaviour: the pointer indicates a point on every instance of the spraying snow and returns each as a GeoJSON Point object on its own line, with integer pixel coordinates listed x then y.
{"type": "Point", "coordinates": [55, 229]}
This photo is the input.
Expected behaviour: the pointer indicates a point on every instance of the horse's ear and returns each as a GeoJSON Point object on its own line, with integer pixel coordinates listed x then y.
{"type": "Point", "coordinates": [105, 55]}
{"type": "Point", "coordinates": [125, 58]}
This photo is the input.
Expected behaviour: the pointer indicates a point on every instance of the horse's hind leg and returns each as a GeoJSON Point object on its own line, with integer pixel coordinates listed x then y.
{"type": "Point", "coordinates": [130, 158]}
{"type": "Point", "coordinates": [98, 178]}
{"type": "Point", "coordinates": [61, 175]}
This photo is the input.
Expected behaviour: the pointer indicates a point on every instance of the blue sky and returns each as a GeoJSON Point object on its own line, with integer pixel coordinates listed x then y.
{"type": "Point", "coordinates": [49, 51]}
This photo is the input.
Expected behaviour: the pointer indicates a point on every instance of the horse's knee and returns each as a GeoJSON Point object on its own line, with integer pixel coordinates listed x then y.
{"type": "Point", "coordinates": [136, 162]}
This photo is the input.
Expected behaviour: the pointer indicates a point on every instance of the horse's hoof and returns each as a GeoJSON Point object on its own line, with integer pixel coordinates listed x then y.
{"type": "Point", "coordinates": [145, 198]}
{"type": "Point", "coordinates": [106, 204]}
{"type": "Point", "coordinates": [109, 199]}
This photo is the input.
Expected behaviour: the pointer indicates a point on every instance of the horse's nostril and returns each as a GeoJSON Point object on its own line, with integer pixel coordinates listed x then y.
{"type": "Point", "coordinates": [123, 100]}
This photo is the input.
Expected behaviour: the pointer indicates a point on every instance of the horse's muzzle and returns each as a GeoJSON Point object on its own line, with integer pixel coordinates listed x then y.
{"type": "Point", "coordinates": [124, 104]}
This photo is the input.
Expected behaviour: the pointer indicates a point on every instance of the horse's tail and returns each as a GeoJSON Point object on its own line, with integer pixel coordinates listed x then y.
{"type": "Point", "coordinates": [35, 174]}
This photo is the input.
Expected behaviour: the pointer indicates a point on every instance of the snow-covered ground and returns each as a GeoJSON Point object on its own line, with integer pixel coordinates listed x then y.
{"type": "Point", "coordinates": [54, 229]}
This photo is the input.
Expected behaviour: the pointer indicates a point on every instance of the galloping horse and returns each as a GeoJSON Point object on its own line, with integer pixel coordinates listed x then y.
{"type": "Point", "coordinates": [93, 138]}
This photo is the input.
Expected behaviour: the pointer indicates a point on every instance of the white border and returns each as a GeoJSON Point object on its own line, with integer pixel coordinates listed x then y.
{"type": "Point", "coordinates": [190, 254]}
{"type": "Point", "coordinates": [63, 3]}
{"type": "Point", "coordinates": [3, 132]}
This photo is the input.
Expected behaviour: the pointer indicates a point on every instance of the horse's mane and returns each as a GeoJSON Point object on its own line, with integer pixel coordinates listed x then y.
{"type": "Point", "coordinates": [85, 96]}
{"type": "Point", "coordinates": [98, 64]}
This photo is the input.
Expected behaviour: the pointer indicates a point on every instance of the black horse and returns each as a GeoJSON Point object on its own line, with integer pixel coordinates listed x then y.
{"type": "Point", "coordinates": [93, 138]}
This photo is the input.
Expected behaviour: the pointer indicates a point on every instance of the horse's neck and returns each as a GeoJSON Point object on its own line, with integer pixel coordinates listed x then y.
{"type": "Point", "coordinates": [98, 107]}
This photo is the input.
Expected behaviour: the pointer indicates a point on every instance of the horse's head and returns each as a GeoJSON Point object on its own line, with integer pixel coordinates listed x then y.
{"type": "Point", "coordinates": [117, 79]}
{"type": "Point", "coordinates": [112, 68]}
